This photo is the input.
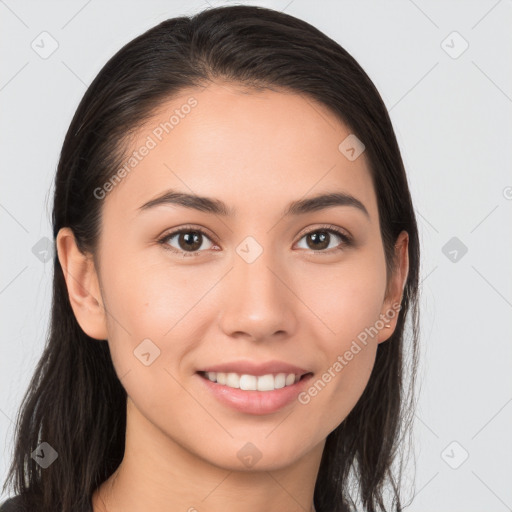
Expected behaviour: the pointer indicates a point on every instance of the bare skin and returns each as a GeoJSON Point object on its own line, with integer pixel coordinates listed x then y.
{"type": "Point", "coordinates": [256, 151]}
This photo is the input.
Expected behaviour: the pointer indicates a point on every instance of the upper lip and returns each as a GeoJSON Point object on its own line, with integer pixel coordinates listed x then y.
{"type": "Point", "coordinates": [257, 369]}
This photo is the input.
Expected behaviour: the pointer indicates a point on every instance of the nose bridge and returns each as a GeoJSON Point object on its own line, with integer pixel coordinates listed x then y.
{"type": "Point", "coordinates": [260, 282]}
{"type": "Point", "coordinates": [258, 303]}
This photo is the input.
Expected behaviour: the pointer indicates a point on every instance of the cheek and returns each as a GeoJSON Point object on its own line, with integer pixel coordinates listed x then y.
{"type": "Point", "coordinates": [333, 393]}
{"type": "Point", "coordinates": [150, 307]}
{"type": "Point", "coordinates": [347, 297]}
{"type": "Point", "coordinates": [348, 303]}
{"type": "Point", "coordinates": [151, 299]}
{"type": "Point", "coordinates": [348, 358]}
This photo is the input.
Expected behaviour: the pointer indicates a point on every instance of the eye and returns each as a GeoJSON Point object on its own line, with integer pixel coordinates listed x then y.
{"type": "Point", "coordinates": [188, 239]}
{"type": "Point", "coordinates": [319, 239]}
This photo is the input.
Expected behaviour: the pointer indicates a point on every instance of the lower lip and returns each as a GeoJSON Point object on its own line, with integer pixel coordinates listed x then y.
{"type": "Point", "coordinates": [255, 402]}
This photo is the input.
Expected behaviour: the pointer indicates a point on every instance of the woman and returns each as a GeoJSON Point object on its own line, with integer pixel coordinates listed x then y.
{"type": "Point", "coordinates": [236, 258]}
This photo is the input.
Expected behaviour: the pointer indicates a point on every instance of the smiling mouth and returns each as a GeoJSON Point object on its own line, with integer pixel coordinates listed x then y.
{"type": "Point", "coordinates": [247, 382]}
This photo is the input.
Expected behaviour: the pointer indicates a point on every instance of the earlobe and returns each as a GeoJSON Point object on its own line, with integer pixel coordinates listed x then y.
{"type": "Point", "coordinates": [398, 281]}
{"type": "Point", "coordinates": [82, 284]}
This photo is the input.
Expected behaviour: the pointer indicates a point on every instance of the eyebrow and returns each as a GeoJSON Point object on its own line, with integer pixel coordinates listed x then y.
{"type": "Point", "coordinates": [217, 207]}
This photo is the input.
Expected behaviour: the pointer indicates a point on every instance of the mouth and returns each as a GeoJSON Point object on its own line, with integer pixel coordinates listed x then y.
{"type": "Point", "coordinates": [248, 382]}
{"type": "Point", "coordinates": [251, 394]}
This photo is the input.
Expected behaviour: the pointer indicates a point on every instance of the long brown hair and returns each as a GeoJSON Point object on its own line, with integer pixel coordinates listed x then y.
{"type": "Point", "coordinates": [75, 402]}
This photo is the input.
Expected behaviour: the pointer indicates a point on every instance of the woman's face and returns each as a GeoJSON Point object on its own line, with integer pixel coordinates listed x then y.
{"type": "Point", "coordinates": [261, 285]}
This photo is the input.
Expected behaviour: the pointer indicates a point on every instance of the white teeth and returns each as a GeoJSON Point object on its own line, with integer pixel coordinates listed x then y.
{"type": "Point", "coordinates": [233, 380]}
{"type": "Point", "coordinates": [290, 379]}
{"type": "Point", "coordinates": [265, 383]}
{"type": "Point", "coordinates": [247, 382]}
{"type": "Point", "coordinates": [280, 381]}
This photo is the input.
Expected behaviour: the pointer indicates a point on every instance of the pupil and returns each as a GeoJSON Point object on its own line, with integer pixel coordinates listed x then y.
{"type": "Point", "coordinates": [319, 238]}
{"type": "Point", "coordinates": [191, 241]}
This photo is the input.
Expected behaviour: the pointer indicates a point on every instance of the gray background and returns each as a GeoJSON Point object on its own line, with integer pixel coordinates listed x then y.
{"type": "Point", "coordinates": [452, 116]}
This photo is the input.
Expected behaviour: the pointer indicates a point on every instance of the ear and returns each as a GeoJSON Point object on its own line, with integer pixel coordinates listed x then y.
{"type": "Point", "coordinates": [82, 284]}
{"type": "Point", "coordinates": [395, 290]}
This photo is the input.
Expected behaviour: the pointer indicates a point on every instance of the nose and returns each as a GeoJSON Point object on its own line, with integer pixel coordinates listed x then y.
{"type": "Point", "coordinates": [258, 302]}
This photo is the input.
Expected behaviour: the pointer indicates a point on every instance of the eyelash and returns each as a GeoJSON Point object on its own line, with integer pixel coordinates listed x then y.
{"type": "Point", "coordinates": [346, 239]}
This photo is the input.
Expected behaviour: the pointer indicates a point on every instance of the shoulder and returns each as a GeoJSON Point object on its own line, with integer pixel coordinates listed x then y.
{"type": "Point", "coordinates": [12, 505]}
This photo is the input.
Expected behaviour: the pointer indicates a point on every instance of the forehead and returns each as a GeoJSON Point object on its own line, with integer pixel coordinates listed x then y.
{"type": "Point", "coordinates": [252, 149]}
